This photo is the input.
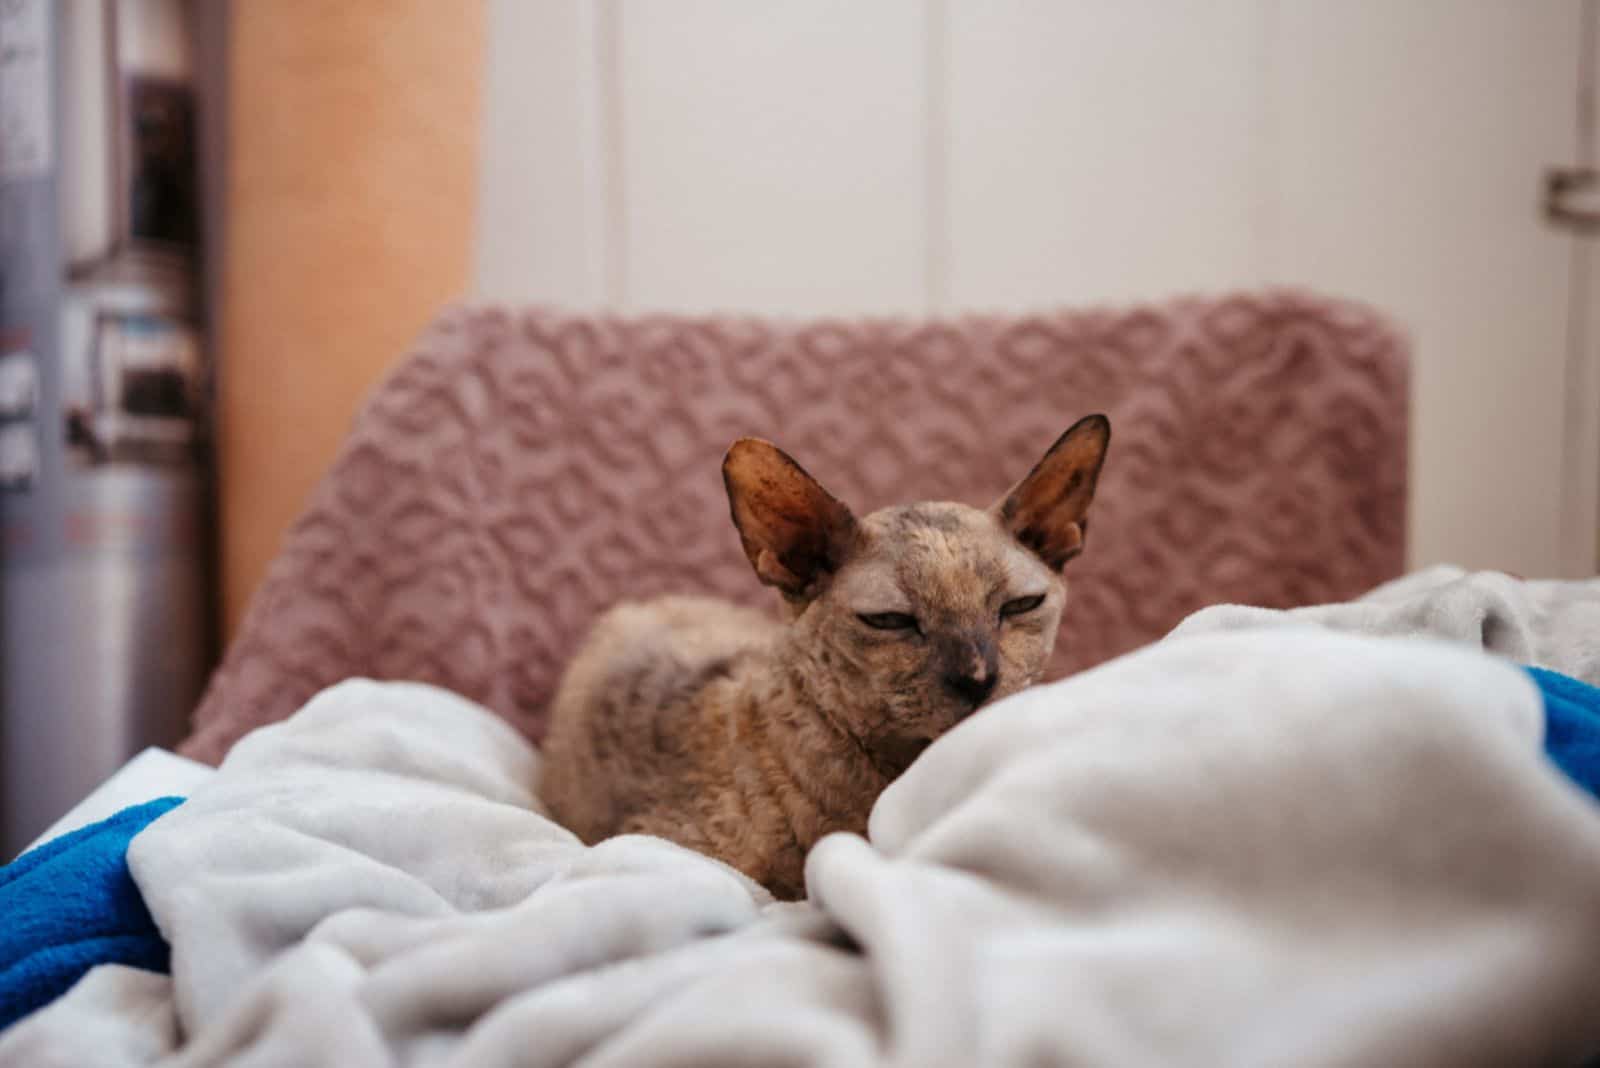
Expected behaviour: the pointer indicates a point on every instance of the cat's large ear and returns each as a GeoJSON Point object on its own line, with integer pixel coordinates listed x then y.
{"type": "Point", "coordinates": [1049, 510]}
{"type": "Point", "coordinates": [794, 531]}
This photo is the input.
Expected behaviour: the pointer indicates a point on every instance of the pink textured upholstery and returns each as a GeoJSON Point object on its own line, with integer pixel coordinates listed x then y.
{"type": "Point", "coordinates": [521, 470]}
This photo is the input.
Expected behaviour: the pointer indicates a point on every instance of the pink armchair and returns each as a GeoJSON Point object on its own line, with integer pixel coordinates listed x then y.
{"type": "Point", "coordinates": [521, 470]}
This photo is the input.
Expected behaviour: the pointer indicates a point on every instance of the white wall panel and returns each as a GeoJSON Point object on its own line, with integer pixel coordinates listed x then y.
{"type": "Point", "coordinates": [772, 155]}
{"type": "Point", "coordinates": [830, 156]}
{"type": "Point", "coordinates": [1103, 150]}
{"type": "Point", "coordinates": [1411, 142]}
{"type": "Point", "coordinates": [540, 205]}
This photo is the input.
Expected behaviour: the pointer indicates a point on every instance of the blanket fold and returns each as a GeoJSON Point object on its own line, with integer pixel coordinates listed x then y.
{"type": "Point", "coordinates": [1542, 623]}
{"type": "Point", "coordinates": [69, 905]}
{"type": "Point", "coordinates": [1260, 845]}
{"type": "Point", "coordinates": [1572, 726]}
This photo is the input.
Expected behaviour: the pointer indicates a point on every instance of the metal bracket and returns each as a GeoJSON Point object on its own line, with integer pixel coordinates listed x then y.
{"type": "Point", "coordinates": [1572, 198]}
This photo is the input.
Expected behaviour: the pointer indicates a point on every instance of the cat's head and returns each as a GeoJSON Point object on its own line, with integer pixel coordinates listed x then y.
{"type": "Point", "coordinates": [912, 617]}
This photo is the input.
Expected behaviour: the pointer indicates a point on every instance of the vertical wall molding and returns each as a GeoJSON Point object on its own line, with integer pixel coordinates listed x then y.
{"type": "Point", "coordinates": [600, 144]}
{"type": "Point", "coordinates": [936, 155]}
{"type": "Point", "coordinates": [1579, 470]}
{"type": "Point", "coordinates": [1580, 431]}
{"type": "Point", "coordinates": [616, 207]}
{"type": "Point", "coordinates": [1265, 209]}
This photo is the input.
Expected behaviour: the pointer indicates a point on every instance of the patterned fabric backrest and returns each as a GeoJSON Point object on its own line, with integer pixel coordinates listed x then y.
{"type": "Point", "coordinates": [521, 470]}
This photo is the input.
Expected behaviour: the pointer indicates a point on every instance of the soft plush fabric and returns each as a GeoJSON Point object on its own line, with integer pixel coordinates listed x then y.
{"type": "Point", "coordinates": [116, 1017]}
{"type": "Point", "coordinates": [522, 470]}
{"type": "Point", "coordinates": [1547, 623]}
{"type": "Point", "coordinates": [70, 905]}
{"type": "Point", "coordinates": [1277, 846]}
{"type": "Point", "coordinates": [1571, 740]}
{"type": "Point", "coordinates": [1551, 625]}
{"type": "Point", "coordinates": [1571, 726]}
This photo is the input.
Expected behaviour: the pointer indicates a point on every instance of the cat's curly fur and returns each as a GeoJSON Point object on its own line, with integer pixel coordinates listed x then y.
{"type": "Point", "coordinates": [748, 739]}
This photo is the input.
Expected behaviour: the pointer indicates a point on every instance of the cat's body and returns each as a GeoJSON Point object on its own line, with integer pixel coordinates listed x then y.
{"type": "Point", "coordinates": [749, 739]}
{"type": "Point", "coordinates": [694, 720]}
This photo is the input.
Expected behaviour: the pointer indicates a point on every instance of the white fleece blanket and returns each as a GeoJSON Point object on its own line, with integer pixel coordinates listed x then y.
{"type": "Point", "coordinates": [1543, 623]}
{"type": "Point", "coordinates": [1284, 846]}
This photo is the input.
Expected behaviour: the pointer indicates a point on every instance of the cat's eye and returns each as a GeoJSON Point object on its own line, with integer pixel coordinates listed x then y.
{"type": "Point", "coordinates": [1021, 606]}
{"type": "Point", "coordinates": [888, 620]}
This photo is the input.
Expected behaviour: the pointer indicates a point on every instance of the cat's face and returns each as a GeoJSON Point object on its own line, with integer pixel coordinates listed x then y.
{"type": "Point", "coordinates": [937, 611]}
{"type": "Point", "coordinates": [913, 617]}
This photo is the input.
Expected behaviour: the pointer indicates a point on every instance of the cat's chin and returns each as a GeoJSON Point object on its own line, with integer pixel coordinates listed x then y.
{"type": "Point", "coordinates": [894, 755]}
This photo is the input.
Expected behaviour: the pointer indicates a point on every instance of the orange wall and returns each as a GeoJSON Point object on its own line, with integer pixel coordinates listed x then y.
{"type": "Point", "coordinates": [350, 202]}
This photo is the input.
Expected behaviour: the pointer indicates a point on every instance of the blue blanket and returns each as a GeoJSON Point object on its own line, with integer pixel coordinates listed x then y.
{"type": "Point", "coordinates": [70, 905]}
{"type": "Point", "coordinates": [1571, 726]}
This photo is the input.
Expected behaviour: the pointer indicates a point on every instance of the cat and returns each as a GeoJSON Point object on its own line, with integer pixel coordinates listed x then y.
{"type": "Point", "coordinates": [746, 738]}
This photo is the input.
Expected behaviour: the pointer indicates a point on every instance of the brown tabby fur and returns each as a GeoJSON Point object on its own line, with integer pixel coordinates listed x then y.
{"type": "Point", "coordinates": [748, 739]}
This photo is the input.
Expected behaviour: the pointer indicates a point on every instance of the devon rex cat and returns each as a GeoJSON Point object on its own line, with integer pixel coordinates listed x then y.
{"type": "Point", "coordinates": [747, 739]}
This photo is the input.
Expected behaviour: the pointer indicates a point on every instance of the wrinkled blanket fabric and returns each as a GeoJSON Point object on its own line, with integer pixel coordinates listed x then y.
{"type": "Point", "coordinates": [70, 904]}
{"type": "Point", "coordinates": [1326, 838]}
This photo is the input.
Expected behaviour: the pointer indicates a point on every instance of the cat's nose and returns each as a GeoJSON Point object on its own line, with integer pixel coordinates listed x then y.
{"type": "Point", "coordinates": [971, 666]}
{"type": "Point", "coordinates": [972, 688]}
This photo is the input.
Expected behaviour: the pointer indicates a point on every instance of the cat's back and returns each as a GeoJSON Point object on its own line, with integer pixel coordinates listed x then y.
{"type": "Point", "coordinates": [628, 720]}
{"type": "Point", "coordinates": [661, 647]}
